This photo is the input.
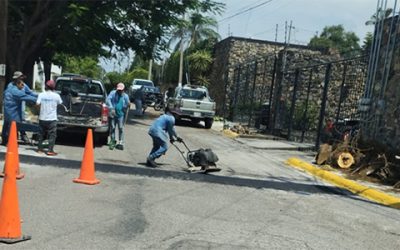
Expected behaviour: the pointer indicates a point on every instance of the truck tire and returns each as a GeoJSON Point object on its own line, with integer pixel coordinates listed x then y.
{"type": "Point", "coordinates": [208, 122]}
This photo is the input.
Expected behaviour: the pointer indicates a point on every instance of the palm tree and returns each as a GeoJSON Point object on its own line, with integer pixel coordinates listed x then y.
{"type": "Point", "coordinates": [189, 33]}
{"type": "Point", "coordinates": [379, 15]}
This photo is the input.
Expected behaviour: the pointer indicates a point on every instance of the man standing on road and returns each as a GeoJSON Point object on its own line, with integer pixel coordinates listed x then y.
{"type": "Point", "coordinates": [118, 103]}
{"type": "Point", "coordinates": [48, 102]}
{"type": "Point", "coordinates": [139, 99]}
{"type": "Point", "coordinates": [18, 75]}
{"type": "Point", "coordinates": [13, 98]}
{"type": "Point", "coordinates": [159, 131]}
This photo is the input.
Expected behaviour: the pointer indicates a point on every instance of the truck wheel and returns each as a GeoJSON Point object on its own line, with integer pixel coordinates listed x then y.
{"type": "Point", "coordinates": [208, 123]}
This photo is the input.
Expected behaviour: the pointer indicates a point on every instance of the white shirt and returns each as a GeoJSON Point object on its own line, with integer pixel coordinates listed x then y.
{"type": "Point", "coordinates": [48, 105]}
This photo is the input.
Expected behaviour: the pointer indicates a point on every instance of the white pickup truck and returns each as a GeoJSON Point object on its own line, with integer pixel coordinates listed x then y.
{"type": "Point", "coordinates": [194, 103]}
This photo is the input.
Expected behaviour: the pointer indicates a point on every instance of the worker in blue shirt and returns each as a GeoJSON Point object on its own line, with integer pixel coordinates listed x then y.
{"type": "Point", "coordinates": [13, 98]}
{"type": "Point", "coordinates": [18, 75]}
{"type": "Point", "coordinates": [118, 104]}
{"type": "Point", "coordinates": [161, 129]}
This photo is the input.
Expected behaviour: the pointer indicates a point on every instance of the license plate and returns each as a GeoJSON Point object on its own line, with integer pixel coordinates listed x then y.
{"type": "Point", "coordinates": [197, 114]}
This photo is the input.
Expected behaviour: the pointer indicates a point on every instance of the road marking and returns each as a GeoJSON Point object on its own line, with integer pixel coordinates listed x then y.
{"type": "Point", "coordinates": [356, 188]}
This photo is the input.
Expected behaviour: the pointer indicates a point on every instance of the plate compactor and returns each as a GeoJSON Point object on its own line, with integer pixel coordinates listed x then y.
{"type": "Point", "coordinates": [200, 160]}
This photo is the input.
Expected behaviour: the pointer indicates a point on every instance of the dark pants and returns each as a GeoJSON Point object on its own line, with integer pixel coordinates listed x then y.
{"type": "Point", "coordinates": [47, 129]}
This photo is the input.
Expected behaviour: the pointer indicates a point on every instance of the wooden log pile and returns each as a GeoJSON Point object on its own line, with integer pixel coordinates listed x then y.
{"type": "Point", "coordinates": [362, 160]}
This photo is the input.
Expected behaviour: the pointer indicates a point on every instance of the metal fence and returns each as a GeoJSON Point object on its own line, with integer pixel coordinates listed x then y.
{"type": "Point", "coordinates": [295, 103]}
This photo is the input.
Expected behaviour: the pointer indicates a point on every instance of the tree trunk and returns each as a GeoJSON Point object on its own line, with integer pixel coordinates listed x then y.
{"type": "Point", "coordinates": [3, 45]}
{"type": "Point", "coordinates": [47, 70]}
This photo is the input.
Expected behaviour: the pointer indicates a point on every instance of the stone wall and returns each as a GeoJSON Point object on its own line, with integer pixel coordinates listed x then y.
{"type": "Point", "coordinates": [228, 54]}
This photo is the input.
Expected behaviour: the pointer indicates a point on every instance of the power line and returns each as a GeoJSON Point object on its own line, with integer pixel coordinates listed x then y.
{"type": "Point", "coordinates": [246, 10]}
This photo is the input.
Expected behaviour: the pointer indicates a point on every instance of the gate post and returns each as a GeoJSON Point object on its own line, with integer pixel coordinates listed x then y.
{"type": "Point", "coordinates": [323, 104]}
{"type": "Point", "coordinates": [293, 104]}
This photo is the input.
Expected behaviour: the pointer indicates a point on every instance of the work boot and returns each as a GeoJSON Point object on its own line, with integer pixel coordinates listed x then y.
{"type": "Point", "coordinates": [111, 144]}
{"type": "Point", "coordinates": [151, 163]}
{"type": "Point", "coordinates": [25, 139]}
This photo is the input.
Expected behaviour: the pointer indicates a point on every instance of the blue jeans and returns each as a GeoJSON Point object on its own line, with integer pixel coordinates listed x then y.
{"type": "Point", "coordinates": [139, 107]}
{"type": "Point", "coordinates": [114, 123]}
{"type": "Point", "coordinates": [159, 147]}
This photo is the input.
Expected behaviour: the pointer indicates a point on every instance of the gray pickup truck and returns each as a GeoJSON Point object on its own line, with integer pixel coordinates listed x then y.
{"type": "Point", "coordinates": [84, 106]}
{"type": "Point", "coordinates": [194, 103]}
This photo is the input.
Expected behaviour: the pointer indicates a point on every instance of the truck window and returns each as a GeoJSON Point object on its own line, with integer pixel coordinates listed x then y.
{"type": "Point", "coordinates": [193, 94]}
{"type": "Point", "coordinates": [144, 83]}
{"type": "Point", "coordinates": [81, 87]}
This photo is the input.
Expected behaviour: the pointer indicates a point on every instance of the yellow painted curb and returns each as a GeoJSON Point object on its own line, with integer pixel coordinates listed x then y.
{"type": "Point", "coordinates": [364, 191]}
{"type": "Point", "coordinates": [229, 133]}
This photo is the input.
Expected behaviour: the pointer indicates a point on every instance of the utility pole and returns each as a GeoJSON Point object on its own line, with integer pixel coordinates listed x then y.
{"type": "Point", "coordinates": [3, 47]}
{"type": "Point", "coordinates": [181, 57]}
{"type": "Point", "coordinates": [150, 69]}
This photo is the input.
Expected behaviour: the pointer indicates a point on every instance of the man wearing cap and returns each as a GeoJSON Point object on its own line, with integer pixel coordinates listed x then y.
{"type": "Point", "coordinates": [18, 75]}
{"type": "Point", "coordinates": [48, 102]}
{"type": "Point", "coordinates": [118, 104]}
{"type": "Point", "coordinates": [13, 98]}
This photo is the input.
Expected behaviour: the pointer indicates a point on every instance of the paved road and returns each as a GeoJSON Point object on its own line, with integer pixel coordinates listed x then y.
{"type": "Point", "coordinates": [255, 202]}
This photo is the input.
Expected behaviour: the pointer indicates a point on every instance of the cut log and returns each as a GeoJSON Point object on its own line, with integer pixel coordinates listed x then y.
{"type": "Point", "coordinates": [345, 160]}
{"type": "Point", "coordinates": [324, 154]}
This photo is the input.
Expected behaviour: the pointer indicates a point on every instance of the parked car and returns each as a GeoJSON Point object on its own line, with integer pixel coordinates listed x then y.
{"type": "Point", "coordinates": [137, 84]}
{"type": "Point", "coordinates": [194, 103]}
{"type": "Point", "coordinates": [84, 106]}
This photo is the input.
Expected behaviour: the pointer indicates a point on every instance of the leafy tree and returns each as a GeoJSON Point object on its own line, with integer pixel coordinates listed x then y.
{"type": "Point", "coordinates": [335, 37]}
{"type": "Point", "coordinates": [379, 15]}
{"type": "Point", "coordinates": [367, 42]}
{"type": "Point", "coordinates": [199, 64]}
{"type": "Point", "coordinates": [39, 28]}
{"type": "Point", "coordinates": [197, 36]}
{"type": "Point", "coordinates": [87, 66]}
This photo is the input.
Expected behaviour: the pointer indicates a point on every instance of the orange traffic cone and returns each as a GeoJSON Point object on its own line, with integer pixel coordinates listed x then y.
{"type": "Point", "coordinates": [12, 146]}
{"type": "Point", "coordinates": [10, 222]}
{"type": "Point", "coordinates": [87, 175]}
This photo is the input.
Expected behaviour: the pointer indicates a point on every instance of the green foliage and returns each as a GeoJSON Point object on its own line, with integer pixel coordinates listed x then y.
{"type": "Point", "coordinates": [40, 28]}
{"type": "Point", "coordinates": [87, 66]}
{"type": "Point", "coordinates": [199, 36]}
{"type": "Point", "coordinates": [199, 64]}
{"type": "Point", "coordinates": [335, 37]}
{"type": "Point", "coordinates": [126, 77]}
{"type": "Point", "coordinates": [309, 119]}
{"type": "Point", "coordinates": [367, 42]}
{"type": "Point", "coordinates": [379, 15]}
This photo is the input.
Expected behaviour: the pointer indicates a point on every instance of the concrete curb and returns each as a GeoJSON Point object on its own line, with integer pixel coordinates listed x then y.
{"type": "Point", "coordinates": [358, 189]}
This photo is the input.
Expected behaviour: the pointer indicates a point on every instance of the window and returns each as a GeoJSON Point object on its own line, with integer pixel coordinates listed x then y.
{"type": "Point", "coordinates": [193, 94]}
{"type": "Point", "coordinates": [81, 87]}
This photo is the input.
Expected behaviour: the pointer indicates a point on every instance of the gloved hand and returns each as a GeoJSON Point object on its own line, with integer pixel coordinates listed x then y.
{"type": "Point", "coordinates": [171, 141]}
{"type": "Point", "coordinates": [179, 139]}
{"type": "Point", "coordinates": [112, 113]}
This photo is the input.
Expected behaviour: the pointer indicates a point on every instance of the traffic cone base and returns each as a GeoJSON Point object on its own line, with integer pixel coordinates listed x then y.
{"type": "Point", "coordinates": [10, 220]}
{"type": "Point", "coordinates": [19, 176]}
{"type": "Point", "coordinates": [88, 182]}
{"type": "Point", "coordinates": [15, 240]}
{"type": "Point", "coordinates": [87, 173]}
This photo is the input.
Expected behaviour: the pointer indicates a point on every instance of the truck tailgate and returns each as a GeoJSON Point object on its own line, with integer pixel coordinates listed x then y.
{"type": "Point", "coordinates": [188, 104]}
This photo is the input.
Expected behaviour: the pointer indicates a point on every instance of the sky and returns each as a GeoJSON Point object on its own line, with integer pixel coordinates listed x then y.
{"type": "Point", "coordinates": [308, 17]}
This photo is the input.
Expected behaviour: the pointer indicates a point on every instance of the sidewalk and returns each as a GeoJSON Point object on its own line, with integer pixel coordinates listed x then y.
{"type": "Point", "coordinates": [376, 192]}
